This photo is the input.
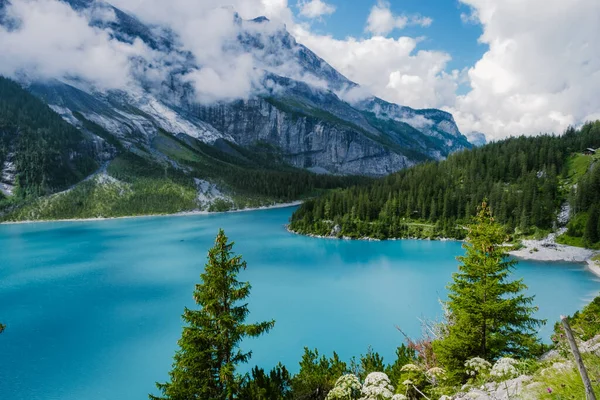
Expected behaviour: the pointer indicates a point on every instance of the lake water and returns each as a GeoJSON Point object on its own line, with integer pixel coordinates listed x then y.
{"type": "Point", "coordinates": [93, 308]}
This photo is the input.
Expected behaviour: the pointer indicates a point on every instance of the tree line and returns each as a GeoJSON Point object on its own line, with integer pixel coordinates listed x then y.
{"type": "Point", "coordinates": [523, 179]}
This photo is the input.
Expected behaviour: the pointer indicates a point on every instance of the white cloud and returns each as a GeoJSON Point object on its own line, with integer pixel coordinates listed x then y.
{"type": "Point", "coordinates": [536, 76]}
{"type": "Point", "coordinates": [393, 69]}
{"type": "Point", "coordinates": [381, 20]}
{"type": "Point", "coordinates": [315, 8]}
{"type": "Point", "coordinates": [52, 41]}
{"type": "Point", "coordinates": [208, 29]}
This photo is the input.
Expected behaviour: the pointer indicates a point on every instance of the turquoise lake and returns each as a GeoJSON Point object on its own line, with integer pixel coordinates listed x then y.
{"type": "Point", "coordinates": [93, 308]}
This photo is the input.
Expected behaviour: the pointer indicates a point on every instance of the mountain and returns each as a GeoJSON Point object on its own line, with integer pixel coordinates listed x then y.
{"type": "Point", "coordinates": [294, 116]}
{"type": "Point", "coordinates": [296, 107]}
{"type": "Point", "coordinates": [532, 184]}
{"type": "Point", "coordinates": [51, 169]}
{"type": "Point", "coordinates": [477, 139]}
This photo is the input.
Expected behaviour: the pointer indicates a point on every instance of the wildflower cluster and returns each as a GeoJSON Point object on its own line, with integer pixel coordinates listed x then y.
{"type": "Point", "coordinates": [505, 368]}
{"type": "Point", "coordinates": [345, 388]}
{"type": "Point", "coordinates": [410, 368]}
{"type": "Point", "coordinates": [377, 386]}
{"type": "Point", "coordinates": [476, 366]}
{"type": "Point", "coordinates": [435, 374]}
{"type": "Point", "coordinates": [399, 397]}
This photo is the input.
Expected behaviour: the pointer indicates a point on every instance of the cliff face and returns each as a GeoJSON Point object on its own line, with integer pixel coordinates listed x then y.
{"type": "Point", "coordinates": [305, 141]}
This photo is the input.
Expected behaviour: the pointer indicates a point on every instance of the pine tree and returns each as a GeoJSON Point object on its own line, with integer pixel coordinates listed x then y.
{"type": "Point", "coordinates": [262, 386]}
{"type": "Point", "coordinates": [317, 375]}
{"type": "Point", "coordinates": [370, 362]}
{"type": "Point", "coordinates": [490, 314]}
{"type": "Point", "coordinates": [204, 366]}
{"type": "Point", "coordinates": [592, 235]}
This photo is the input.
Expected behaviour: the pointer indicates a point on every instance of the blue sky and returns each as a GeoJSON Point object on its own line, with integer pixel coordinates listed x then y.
{"type": "Point", "coordinates": [447, 32]}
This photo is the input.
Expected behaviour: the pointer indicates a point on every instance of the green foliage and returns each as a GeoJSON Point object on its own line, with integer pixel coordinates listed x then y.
{"type": "Point", "coordinates": [49, 154]}
{"type": "Point", "coordinates": [209, 351]}
{"type": "Point", "coordinates": [577, 166]}
{"type": "Point", "coordinates": [523, 178]}
{"type": "Point", "coordinates": [592, 232]}
{"type": "Point", "coordinates": [370, 362]}
{"type": "Point", "coordinates": [99, 199]}
{"type": "Point", "coordinates": [317, 375]}
{"type": "Point", "coordinates": [490, 315]}
{"type": "Point", "coordinates": [585, 323]}
{"type": "Point", "coordinates": [404, 355]}
{"type": "Point", "coordinates": [261, 386]}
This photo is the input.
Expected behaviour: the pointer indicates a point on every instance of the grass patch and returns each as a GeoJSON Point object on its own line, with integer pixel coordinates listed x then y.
{"type": "Point", "coordinates": [565, 383]}
{"type": "Point", "coordinates": [570, 240]}
{"type": "Point", "coordinates": [167, 145]}
{"type": "Point", "coordinates": [577, 166]}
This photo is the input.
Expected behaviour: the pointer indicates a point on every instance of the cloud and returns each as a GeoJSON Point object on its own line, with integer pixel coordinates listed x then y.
{"type": "Point", "coordinates": [535, 77]}
{"type": "Point", "coordinates": [51, 40]}
{"type": "Point", "coordinates": [393, 69]}
{"type": "Point", "coordinates": [209, 30]}
{"type": "Point", "coordinates": [381, 21]}
{"type": "Point", "coordinates": [315, 8]}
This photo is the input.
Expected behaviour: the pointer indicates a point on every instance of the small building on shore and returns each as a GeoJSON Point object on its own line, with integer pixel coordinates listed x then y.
{"type": "Point", "coordinates": [589, 151]}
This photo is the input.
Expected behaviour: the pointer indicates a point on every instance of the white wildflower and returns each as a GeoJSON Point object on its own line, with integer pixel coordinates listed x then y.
{"type": "Point", "coordinates": [410, 367]}
{"type": "Point", "coordinates": [399, 397]}
{"type": "Point", "coordinates": [505, 368]}
{"type": "Point", "coordinates": [345, 387]}
{"type": "Point", "coordinates": [477, 366]}
{"type": "Point", "coordinates": [377, 386]}
{"type": "Point", "coordinates": [436, 372]}
{"type": "Point", "coordinates": [407, 382]}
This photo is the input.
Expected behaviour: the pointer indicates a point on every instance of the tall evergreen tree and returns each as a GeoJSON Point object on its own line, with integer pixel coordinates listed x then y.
{"type": "Point", "coordinates": [204, 366]}
{"type": "Point", "coordinates": [490, 314]}
{"type": "Point", "coordinates": [592, 235]}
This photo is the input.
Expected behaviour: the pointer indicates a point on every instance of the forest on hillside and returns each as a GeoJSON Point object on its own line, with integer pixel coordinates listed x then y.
{"type": "Point", "coordinates": [524, 179]}
{"type": "Point", "coordinates": [48, 153]}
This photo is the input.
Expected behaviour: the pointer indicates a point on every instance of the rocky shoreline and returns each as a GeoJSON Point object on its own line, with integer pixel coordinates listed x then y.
{"type": "Point", "coordinates": [548, 250]}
